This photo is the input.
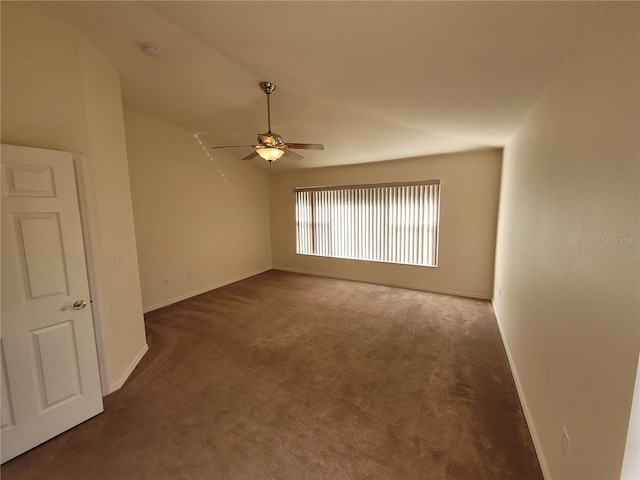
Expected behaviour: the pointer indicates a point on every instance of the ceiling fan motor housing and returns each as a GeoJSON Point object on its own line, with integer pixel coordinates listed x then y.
{"type": "Point", "coordinates": [271, 140]}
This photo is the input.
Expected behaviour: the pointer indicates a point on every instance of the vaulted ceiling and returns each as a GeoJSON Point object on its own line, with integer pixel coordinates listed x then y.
{"type": "Point", "coordinates": [373, 81]}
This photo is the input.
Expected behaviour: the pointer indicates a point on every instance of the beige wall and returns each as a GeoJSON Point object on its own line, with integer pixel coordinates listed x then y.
{"type": "Point", "coordinates": [58, 92]}
{"type": "Point", "coordinates": [468, 215]}
{"type": "Point", "coordinates": [202, 216]}
{"type": "Point", "coordinates": [567, 260]}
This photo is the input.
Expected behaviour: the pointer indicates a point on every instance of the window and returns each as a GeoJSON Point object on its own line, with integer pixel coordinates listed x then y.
{"type": "Point", "coordinates": [395, 223]}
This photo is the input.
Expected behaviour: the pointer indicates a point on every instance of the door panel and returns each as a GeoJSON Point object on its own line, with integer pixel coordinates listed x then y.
{"type": "Point", "coordinates": [50, 379]}
{"type": "Point", "coordinates": [6, 405]}
{"type": "Point", "coordinates": [42, 257]}
{"type": "Point", "coordinates": [58, 369]}
{"type": "Point", "coordinates": [29, 181]}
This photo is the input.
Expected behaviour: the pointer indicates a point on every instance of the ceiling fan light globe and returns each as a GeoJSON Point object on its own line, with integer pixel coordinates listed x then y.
{"type": "Point", "coordinates": [270, 154]}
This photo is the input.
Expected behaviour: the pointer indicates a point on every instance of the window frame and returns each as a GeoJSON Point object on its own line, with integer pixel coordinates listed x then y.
{"type": "Point", "coordinates": [379, 229]}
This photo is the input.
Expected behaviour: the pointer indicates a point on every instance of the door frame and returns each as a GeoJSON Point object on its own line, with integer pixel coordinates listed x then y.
{"type": "Point", "coordinates": [88, 253]}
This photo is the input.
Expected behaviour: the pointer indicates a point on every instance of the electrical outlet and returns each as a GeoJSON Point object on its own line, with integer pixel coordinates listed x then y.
{"type": "Point", "coordinates": [565, 443]}
{"type": "Point", "coordinates": [165, 282]}
{"type": "Point", "coordinates": [189, 276]}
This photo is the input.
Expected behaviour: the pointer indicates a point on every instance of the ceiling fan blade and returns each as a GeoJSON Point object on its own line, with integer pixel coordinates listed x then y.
{"type": "Point", "coordinates": [233, 146]}
{"type": "Point", "coordinates": [306, 146]}
{"type": "Point", "coordinates": [250, 156]}
{"type": "Point", "coordinates": [290, 154]}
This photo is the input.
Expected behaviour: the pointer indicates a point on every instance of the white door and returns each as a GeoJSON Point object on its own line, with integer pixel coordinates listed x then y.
{"type": "Point", "coordinates": [49, 368]}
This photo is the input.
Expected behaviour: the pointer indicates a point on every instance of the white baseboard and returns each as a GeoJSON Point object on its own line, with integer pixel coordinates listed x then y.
{"type": "Point", "coordinates": [388, 284]}
{"type": "Point", "coordinates": [116, 386]}
{"type": "Point", "coordinates": [204, 290]}
{"type": "Point", "coordinates": [523, 401]}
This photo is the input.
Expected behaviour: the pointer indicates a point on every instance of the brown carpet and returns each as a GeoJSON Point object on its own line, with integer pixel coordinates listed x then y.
{"type": "Point", "coordinates": [287, 376]}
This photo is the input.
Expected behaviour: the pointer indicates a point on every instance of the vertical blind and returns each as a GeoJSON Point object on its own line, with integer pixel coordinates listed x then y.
{"type": "Point", "coordinates": [396, 223]}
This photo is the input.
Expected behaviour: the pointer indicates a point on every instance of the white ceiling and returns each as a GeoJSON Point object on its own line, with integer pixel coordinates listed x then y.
{"type": "Point", "coordinates": [373, 81]}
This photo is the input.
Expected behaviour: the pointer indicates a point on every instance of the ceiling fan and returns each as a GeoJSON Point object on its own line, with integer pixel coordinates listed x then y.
{"type": "Point", "coordinates": [270, 145]}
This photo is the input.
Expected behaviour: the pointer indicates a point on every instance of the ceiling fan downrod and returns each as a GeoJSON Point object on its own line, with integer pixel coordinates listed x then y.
{"type": "Point", "coordinates": [268, 88]}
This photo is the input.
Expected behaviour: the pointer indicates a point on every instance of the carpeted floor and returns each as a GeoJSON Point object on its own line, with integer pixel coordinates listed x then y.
{"type": "Point", "coordinates": [293, 377]}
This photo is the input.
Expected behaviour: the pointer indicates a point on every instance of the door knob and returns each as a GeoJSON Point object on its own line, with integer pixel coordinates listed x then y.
{"type": "Point", "coordinates": [79, 305]}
